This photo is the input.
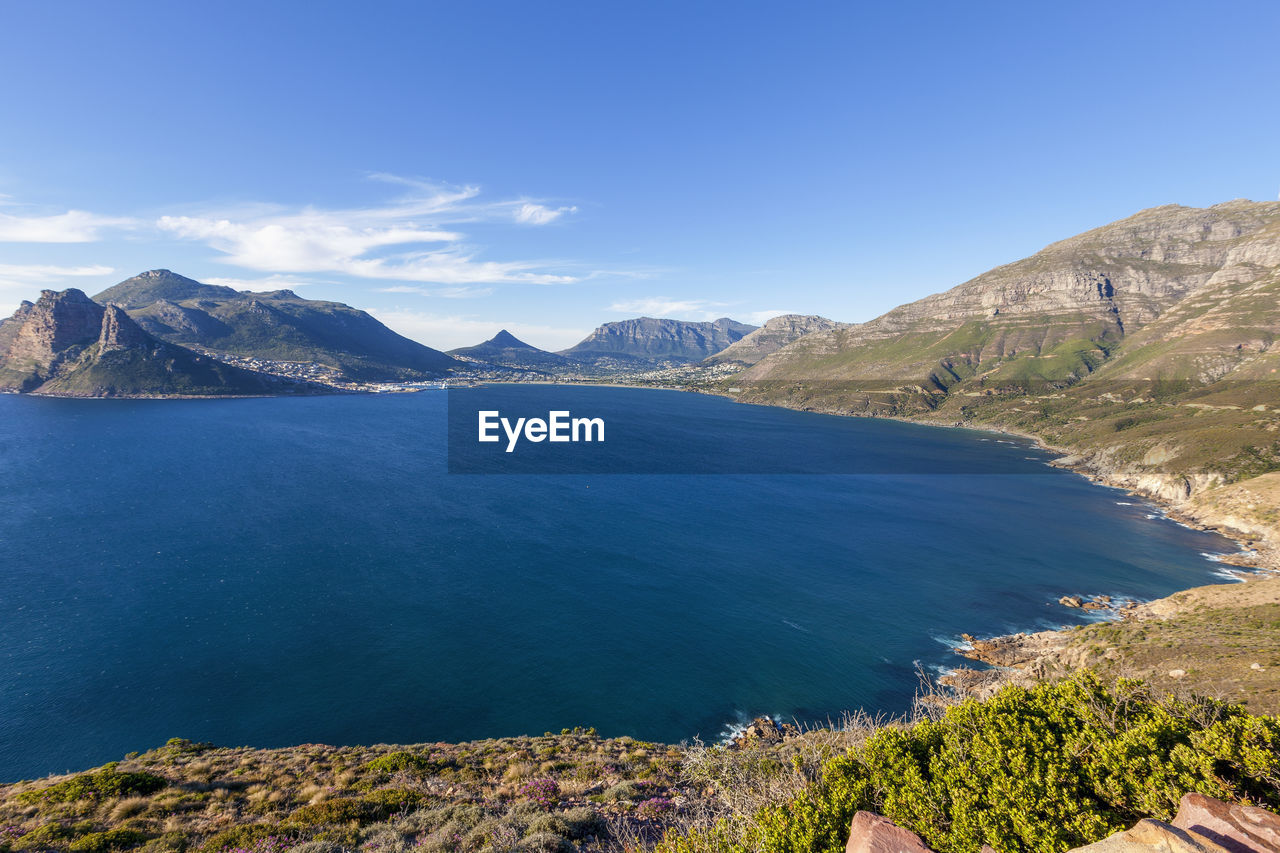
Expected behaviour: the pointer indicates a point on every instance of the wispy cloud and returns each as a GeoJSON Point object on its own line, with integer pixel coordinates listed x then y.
{"type": "Point", "coordinates": [74, 226]}
{"type": "Point", "coordinates": [759, 318]}
{"type": "Point", "coordinates": [271, 282]}
{"type": "Point", "coordinates": [27, 276]}
{"type": "Point", "coordinates": [537, 214]}
{"type": "Point", "coordinates": [446, 292]}
{"type": "Point", "coordinates": [404, 239]}
{"type": "Point", "coordinates": [661, 306]}
{"type": "Point", "coordinates": [450, 331]}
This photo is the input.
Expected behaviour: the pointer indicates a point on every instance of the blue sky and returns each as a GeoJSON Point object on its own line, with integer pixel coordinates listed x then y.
{"type": "Point", "coordinates": [545, 167]}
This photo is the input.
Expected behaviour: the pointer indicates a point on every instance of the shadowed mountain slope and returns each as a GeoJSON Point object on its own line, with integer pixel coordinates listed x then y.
{"type": "Point", "coordinates": [66, 344]}
{"type": "Point", "coordinates": [276, 326]}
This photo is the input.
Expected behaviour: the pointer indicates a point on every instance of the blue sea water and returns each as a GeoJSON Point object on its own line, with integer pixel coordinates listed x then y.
{"type": "Point", "coordinates": [280, 571]}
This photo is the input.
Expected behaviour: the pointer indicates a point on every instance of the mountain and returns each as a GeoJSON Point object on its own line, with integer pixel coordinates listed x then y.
{"type": "Point", "coordinates": [771, 337]}
{"type": "Point", "coordinates": [506, 350]}
{"type": "Point", "coordinates": [66, 344]}
{"type": "Point", "coordinates": [649, 340]}
{"type": "Point", "coordinates": [1058, 315]}
{"type": "Point", "coordinates": [274, 326]}
{"type": "Point", "coordinates": [1144, 350]}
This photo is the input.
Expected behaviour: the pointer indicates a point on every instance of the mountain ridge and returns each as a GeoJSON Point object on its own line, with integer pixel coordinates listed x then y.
{"type": "Point", "coordinates": [655, 340]}
{"type": "Point", "coordinates": [65, 344]}
{"type": "Point", "coordinates": [274, 325]}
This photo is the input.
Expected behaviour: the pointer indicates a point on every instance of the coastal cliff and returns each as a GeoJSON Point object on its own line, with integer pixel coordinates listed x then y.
{"type": "Point", "coordinates": [1141, 351]}
{"type": "Point", "coordinates": [67, 345]}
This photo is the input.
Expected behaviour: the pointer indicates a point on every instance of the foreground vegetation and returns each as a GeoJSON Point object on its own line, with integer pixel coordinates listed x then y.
{"type": "Point", "coordinates": [1047, 768]}
{"type": "Point", "coordinates": [1038, 769]}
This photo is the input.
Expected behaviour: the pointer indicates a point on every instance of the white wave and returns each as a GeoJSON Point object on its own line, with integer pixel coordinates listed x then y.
{"type": "Point", "coordinates": [738, 725]}
{"type": "Point", "coordinates": [952, 642]}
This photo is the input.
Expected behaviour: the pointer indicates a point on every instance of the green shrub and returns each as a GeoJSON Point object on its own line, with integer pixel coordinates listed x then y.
{"type": "Point", "coordinates": [375, 806]}
{"type": "Point", "coordinates": [242, 837]}
{"type": "Point", "coordinates": [107, 782]}
{"type": "Point", "coordinates": [628, 790]}
{"type": "Point", "coordinates": [582, 822]}
{"type": "Point", "coordinates": [546, 842]}
{"type": "Point", "coordinates": [114, 839]}
{"type": "Point", "coordinates": [48, 835]}
{"type": "Point", "coordinates": [183, 746]}
{"type": "Point", "coordinates": [170, 842]}
{"type": "Point", "coordinates": [1040, 769]}
{"type": "Point", "coordinates": [395, 762]}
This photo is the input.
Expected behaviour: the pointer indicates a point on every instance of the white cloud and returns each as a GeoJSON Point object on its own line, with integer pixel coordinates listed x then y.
{"type": "Point", "coordinates": [759, 318]}
{"type": "Point", "coordinates": [271, 282]}
{"type": "Point", "coordinates": [74, 226]}
{"type": "Point", "coordinates": [661, 306]}
{"type": "Point", "coordinates": [355, 241]}
{"type": "Point", "coordinates": [445, 332]}
{"type": "Point", "coordinates": [446, 292]}
{"type": "Point", "coordinates": [31, 276]}
{"type": "Point", "coordinates": [537, 214]}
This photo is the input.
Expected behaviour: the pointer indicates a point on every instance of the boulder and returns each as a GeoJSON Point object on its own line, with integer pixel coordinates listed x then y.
{"type": "Point", "coordinates": [764, 730]}
{"type": "Point", "coordinates": [871, 833]}
{"type": "Point", "coordinates": [1240, 829]}
{"type": "Point", "coordinates": [1153, 836]}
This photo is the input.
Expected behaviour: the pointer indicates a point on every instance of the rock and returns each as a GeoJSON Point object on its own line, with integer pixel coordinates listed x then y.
{"type": "Point", "coordinates": [1154, 836]}
{"type": "Point", "coordinates": [765, 730]}
{"type": "Point", "coordinates": [871, 833]}
{"type": "Point", "coordinates": [1237, 828]}
{"type": "Point", "coordinates": [1094, 605]}
{"type": "Point", "coordinates": [120, 332]}
{"type": "Point", "coordinates": [1257, 667]}
{"type": "Point", "coordinates": [1177, 673]}
{"type": "Point", "coordinates": [1071, 601]}
{"type": "Point", "coordinates": [771, 337]}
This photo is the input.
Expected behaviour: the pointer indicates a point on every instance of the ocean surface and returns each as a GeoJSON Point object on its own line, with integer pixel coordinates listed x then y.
{"type": "Point", "coordinates": [280, 571]}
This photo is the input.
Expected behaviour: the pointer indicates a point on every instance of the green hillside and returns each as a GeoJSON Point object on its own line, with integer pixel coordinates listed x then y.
{"type": "Point", "coordinates": [273, 326]}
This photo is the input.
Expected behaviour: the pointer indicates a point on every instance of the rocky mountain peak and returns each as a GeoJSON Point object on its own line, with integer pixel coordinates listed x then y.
{"type": "Point", "coordinates": [507, 340]}
{"type": "Point", "coordinates": [771, 337]}
{"type": "Point", "coordinates": [119, 331]}
{"type": "Point", "coordinates": [56, 322]}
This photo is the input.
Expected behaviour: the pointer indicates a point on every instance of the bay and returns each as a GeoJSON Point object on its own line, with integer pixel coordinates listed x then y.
{"type": "Point", "coordinates": [280, 571]}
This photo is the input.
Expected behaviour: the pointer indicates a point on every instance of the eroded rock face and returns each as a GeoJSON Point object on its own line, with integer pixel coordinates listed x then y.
{"type": "Point", "coordinates": [55, 323]}
{"type": "Point", "coordinates": [57, 326]}
{"type": "Point", "coordinates": [68, 345]}
{"type": "Point", "coordinates": [1101, 285]}
{"type": "Point", "coordinates": [771, 337]}
{"type": "Point", "coordinates": [119, 331]}
{"type": "Point", "coordinates": [871, 833]}
{"type": "Point", "coordinates": [1237, 828]}
{"type": "Point", "coordinates": [651, 338]}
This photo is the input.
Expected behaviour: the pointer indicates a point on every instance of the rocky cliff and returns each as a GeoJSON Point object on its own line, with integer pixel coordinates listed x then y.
{"type": "Point", "coordinates": [771, 337]}
{"type": "Point", "coordinates": [646, 339]}
{"type": "Point", "coordinates": [66, 344]}
{"type": "Point", "coordinates": [1065, 307]}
